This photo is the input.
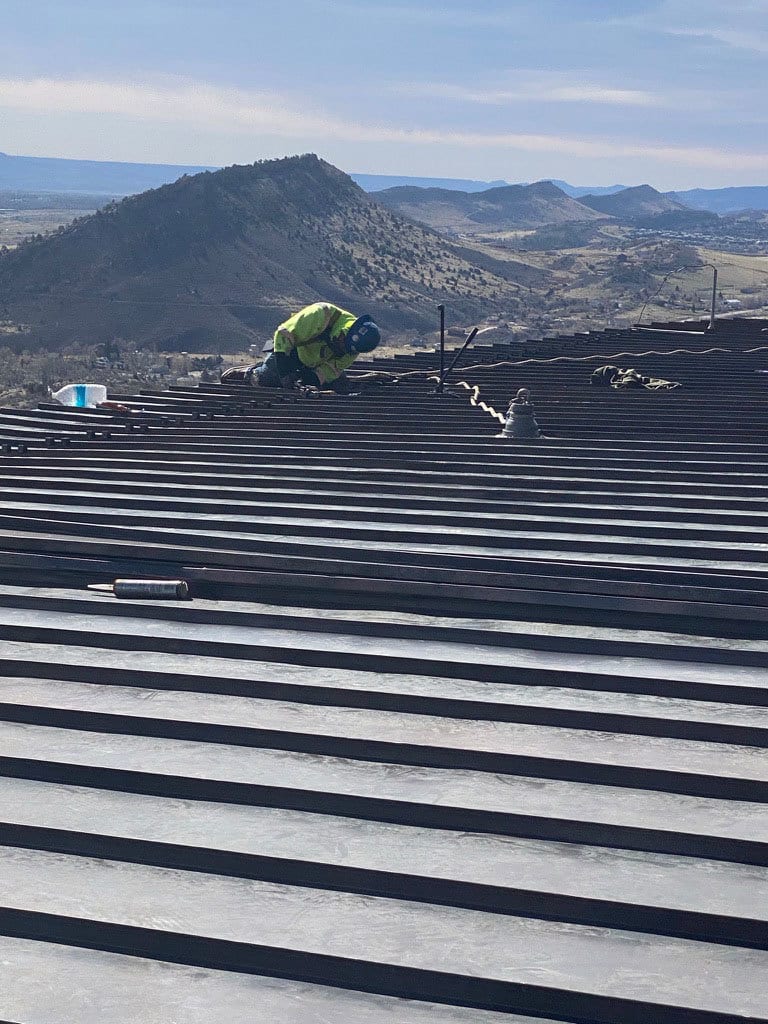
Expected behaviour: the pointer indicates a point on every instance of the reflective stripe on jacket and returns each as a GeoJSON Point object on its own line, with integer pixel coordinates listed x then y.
{"type": "Point", "coordinates": [308, 333]}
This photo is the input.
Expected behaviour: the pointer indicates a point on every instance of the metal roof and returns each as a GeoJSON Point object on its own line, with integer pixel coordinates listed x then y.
{"type": "Point", "coordinates": [454, 728]}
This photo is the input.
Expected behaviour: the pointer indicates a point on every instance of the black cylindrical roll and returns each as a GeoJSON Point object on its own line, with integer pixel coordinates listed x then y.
{"type": "Point", "coordinates": [151, 588]}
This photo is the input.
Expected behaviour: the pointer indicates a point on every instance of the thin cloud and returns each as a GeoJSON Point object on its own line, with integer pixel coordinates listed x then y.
{"type": "Point", "coordinates": [594, 94]}
{"type": "Point", "coordinates": [179, 102]}
{"type": "Point", "coordinates": [206, 107]}
{"type": "Point", "coordinates": [527, 94]}
{"type": "Point", "coordinates": [738, 25]}
{"type": "Point", "coordinates": [755, 42]}
{"type": "Point", "coordinates": [434, 17]}
{"type": "Point", "coordinates": [568, 146]}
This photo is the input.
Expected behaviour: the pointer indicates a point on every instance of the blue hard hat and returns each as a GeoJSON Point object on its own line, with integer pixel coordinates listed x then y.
{"type": "Point", "coordinates": [362, 336]}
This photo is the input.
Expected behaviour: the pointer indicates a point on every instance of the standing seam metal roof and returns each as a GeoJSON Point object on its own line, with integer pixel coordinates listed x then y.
{"type": "Point", "coordinates": [454, 728]}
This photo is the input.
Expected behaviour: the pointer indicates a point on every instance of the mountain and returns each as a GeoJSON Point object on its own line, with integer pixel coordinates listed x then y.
{"type": "Point", "coordinates": [48, 174]}
{"type": "Point", "coordinates": [111, 179]}
{"type": "Point", "coordinates": [215, 261]}
{"type": "Point", "coordinates": [724, 200]}
{"type": "Point", "coordinates": [115, 180]}
{"type": "Point", "coordinates": [577, 191]}
{"type": "Point", "coordinates": [377, 182]}
{"type": "Point", "coordinates": [507, 208]}
{"type": "Point", "coordinates": [632, 203]}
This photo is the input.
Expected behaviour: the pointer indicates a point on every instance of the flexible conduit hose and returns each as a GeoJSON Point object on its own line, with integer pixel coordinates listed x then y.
{"type": "Point", "coordinates": [474, 399]}
{"type": "Point", "coordinates": [372, 374]}
{"type": "Point", "coordinates": [474, 390]}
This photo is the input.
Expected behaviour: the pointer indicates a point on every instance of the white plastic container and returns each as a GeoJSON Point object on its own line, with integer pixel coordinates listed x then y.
{"type": "Point", "coordinates": [82, 396]}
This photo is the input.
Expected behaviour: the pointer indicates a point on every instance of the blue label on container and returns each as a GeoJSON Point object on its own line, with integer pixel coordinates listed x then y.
{"type": "Point", "coordinates": [80, 399]}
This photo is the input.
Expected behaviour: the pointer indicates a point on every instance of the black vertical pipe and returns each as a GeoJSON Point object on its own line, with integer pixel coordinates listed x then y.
{"type": "Point", "coordinates": [714, 299]}
{"type": "Point", "coordinates": [441, 311]}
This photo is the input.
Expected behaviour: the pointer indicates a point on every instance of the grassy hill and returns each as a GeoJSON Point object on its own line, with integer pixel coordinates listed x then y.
{"type": "Point", "coordinates": [496, 209]}
{"type": "Point", "coordinates": [212, 262]}
{"type": "Point", "coordinates": [632, 203]}
{"type": "Point", "coordinates": [215, 260]}
{"type": "Point", "coordinates": [725, 200]}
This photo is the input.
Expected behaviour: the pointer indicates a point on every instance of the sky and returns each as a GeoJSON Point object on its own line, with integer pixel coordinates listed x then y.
{"type": "Point", "coordinates": [595, 92]}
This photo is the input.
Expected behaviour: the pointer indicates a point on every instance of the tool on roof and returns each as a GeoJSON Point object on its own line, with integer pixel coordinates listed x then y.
{"type": "Point", "coordinates": [173, 589]}
{"type": "Point", "coordinates": [617, 378]}
{"type": "Point", "coordinates": [444, 375]}
{"type": "Point", "coordinates": [443, 372]}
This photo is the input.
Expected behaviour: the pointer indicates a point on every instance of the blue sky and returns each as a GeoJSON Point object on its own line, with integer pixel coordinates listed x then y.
{"type": "Point", "coordinates": [672, 92]}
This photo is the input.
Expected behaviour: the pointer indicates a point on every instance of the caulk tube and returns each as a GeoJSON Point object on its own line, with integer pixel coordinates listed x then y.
{"type": "Point", "coordinates": [174, 589]}
{"type": "Point", "coordinates": [150, 588]}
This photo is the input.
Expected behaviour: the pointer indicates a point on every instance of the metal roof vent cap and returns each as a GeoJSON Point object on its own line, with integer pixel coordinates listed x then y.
{"type": "Point", "coordinates": [521, 420]}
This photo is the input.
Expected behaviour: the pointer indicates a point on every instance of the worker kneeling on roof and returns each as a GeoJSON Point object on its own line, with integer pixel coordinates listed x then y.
{"type": "Point", "coordinates": [313, 347]}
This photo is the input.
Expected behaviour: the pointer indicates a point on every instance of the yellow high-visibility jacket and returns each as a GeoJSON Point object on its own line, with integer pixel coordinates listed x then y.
{"type": "Point", "coordinates": [307, 334]}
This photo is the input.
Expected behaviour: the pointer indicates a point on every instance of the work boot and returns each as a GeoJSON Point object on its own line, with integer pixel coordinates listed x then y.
{"type": "Point", "coordinates": [238, 375]}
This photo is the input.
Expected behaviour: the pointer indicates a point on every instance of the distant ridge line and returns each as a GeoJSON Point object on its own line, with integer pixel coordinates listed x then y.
{"type": "Point", "coordinates": [116, 179]}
